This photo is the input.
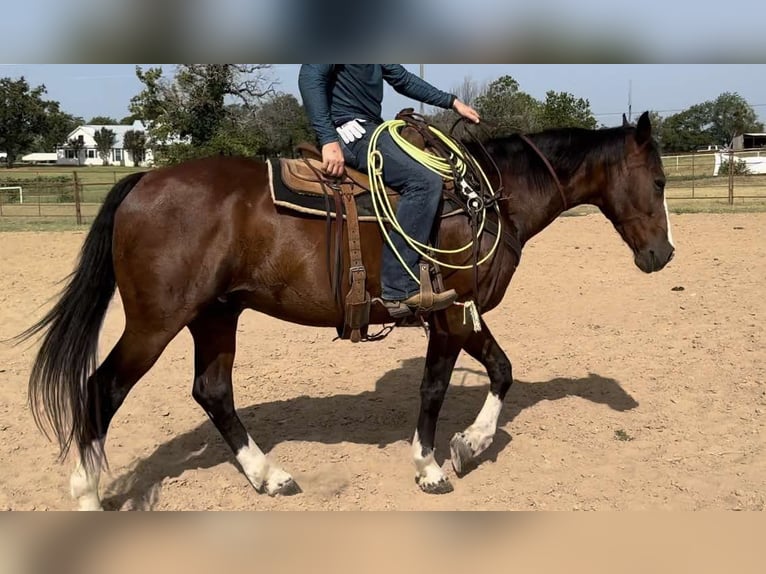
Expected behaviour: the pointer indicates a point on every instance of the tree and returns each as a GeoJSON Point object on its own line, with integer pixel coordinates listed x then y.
{"type": "Point", "coordinates": [563, 110]}
{"type": "Point", "coordinates": [687, 130]}
{"type": "Point", "coordinates": [102, 121]}
{"type": "Point", "coordinates": [193, 104]}
{"type": "Point", "coordinates": [56, 127]}
{"type": "Point", "coordinates": [283, 123]}
{"type": "Point", "coordinates": [22, 116]}
{"type": "Point", "coordinates": [731, 116]}
{"type": "Point", "coordinates": [76, 145]}
{"type": "Point", "coordinates": [105, 140]}
{"type": "Point", "coordinates": [128, 120]}
{"type": "Point", "coordinates": [134, 142]}
{"type": "Point", "coordinates": [507, 109]}
{"type": "Point", "coordinates": [468, 91]}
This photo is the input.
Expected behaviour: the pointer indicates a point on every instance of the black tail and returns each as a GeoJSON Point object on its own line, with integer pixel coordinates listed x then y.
{"type": "Point", "coordinates": [58, 389]}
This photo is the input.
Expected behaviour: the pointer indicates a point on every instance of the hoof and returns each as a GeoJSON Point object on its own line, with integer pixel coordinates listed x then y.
{"type": "Point", "coordinates": [463, 459]}
{"type": "Point", "coordinates": [286, 488]}
{"type": "Point", "coordinates": [443, 486]}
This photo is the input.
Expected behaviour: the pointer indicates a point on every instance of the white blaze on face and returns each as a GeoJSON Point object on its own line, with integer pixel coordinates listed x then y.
{"type": "Point", "coordinates": [667, 220]}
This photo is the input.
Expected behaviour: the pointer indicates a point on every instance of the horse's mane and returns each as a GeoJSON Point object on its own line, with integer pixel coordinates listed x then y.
{"type": "Point", "coordinates": [566, 148]}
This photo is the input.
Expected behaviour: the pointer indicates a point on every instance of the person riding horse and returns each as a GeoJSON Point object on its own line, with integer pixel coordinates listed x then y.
{"type": "Point", "coordinates": [344, 105]}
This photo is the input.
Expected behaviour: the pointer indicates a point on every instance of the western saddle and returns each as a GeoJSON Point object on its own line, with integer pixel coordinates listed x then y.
{"type": "Point", "coordinates": [305, 175]}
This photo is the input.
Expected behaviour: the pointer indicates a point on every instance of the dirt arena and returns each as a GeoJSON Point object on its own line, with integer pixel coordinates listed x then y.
{"type": "Point", "coordinates": [629, 394]}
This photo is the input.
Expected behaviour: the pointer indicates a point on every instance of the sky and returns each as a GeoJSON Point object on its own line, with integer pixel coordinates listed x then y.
{"type": "Point", "coordinates": [89, 90]}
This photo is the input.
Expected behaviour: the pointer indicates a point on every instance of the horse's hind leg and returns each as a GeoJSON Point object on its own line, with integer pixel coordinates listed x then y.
{"type": "Point", "coordinates": [214, 333]}
{"type": "Point", "coordinates": [132, 356]}
{"type": "Point", "coordinates": [469, 444]}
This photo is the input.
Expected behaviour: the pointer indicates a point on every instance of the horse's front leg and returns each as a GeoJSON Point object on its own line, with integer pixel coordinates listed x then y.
{"type": "Point", "coordinates": [466, 446]}
{"type": "Point", "coordinates": [443, 349]}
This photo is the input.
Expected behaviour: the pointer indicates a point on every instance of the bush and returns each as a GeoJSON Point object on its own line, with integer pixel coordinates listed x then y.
{"type": "Point", "coordinates": [740, 167]}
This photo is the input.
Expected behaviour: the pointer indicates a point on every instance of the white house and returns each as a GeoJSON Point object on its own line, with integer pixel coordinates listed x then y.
{"type": "Point", "coordinates": [89, 154]}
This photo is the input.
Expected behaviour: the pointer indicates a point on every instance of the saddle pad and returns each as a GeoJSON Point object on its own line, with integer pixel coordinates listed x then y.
{"type": "Point", "coordinates": [318, 205]}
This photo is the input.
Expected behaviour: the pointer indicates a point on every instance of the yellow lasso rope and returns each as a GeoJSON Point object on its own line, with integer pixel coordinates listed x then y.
{"type": "Point", "coordinates": [384, 210]}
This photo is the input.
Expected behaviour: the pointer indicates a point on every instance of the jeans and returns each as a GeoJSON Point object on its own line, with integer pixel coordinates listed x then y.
{"type": "Point", "coordinates": [420, 190]}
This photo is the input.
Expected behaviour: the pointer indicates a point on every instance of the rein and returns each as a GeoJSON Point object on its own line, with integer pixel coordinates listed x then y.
{"type": "Point", "coordinates": [547, 163]}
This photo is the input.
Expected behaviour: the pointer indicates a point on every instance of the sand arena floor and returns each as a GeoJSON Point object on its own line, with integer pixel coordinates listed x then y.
{"type": "Point", "coordinates": [629, 395]}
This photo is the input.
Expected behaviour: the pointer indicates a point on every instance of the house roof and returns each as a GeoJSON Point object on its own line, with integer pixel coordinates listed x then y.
{"type": "Point", "coordinates": [119, 131]}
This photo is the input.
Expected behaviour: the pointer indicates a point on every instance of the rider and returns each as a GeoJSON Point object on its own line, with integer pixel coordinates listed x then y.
{"type": "Point", "coordinates": [343, 102]}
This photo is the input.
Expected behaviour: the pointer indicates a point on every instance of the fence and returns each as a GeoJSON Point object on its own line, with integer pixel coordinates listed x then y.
{"type": "Point", "coordinates": [77, 195]}
{"type": "Point", "coordinates": [55, 194]}
{"type": "Point", "coordinates": [725, 177]}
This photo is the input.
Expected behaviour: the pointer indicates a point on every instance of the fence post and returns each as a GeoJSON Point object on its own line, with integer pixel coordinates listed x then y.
{"type": "Point", "coordinates": [694, 156]}
{"type": "Point", "coordinates": [77, 211]}
{"type": "Point", "coordinates": [731, 176]}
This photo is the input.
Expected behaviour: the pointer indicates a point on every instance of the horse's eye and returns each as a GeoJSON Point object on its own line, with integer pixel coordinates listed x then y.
{"type": "Point", "coordinates": [659, 184]}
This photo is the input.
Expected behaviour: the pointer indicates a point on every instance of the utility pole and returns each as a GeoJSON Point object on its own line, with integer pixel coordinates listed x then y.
{"type": "Point", "coordinates": [422, 77]}
{"type": "Point", "coordinates": [630, 101]}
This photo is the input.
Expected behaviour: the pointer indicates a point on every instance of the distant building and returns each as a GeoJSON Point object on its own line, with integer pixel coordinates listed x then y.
{"type": "Point", "coordinates": [89, 155]}
{"type": "Point", "coordinates": [749, 141]}
{"type": "Point", "coordinates": [40, 158]}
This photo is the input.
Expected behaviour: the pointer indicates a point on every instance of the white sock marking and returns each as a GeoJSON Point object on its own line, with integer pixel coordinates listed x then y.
{"type": "Point", "coordinates": [482, 432]}
{"type": "Point", "coordinates": [259, 470]}
{"type": "Point", "coordinates": [83, 483]}
{"type": "Point", "coordinates": [428, 472]}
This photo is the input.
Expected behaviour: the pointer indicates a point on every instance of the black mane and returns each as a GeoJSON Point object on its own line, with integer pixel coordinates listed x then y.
{"type": "Point", "coordinates": [567, 149]}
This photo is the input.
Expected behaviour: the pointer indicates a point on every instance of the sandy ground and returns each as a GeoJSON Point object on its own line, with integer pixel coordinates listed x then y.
{"type": "Point", "coordinates": [629, 395]}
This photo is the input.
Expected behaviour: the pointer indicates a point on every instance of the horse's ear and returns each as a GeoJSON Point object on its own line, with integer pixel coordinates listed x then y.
{"type": "Point", "coordinates": [625, 122]}
{"type": "Point", "coordinates": [644, 129]}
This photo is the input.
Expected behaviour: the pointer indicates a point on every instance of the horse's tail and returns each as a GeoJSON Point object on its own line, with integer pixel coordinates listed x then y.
{"type": "Point", "coordinates": [58, 383]}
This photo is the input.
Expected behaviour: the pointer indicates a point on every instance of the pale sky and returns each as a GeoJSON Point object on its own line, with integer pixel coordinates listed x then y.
{"type": "Point", "coordinates": [105, 89]}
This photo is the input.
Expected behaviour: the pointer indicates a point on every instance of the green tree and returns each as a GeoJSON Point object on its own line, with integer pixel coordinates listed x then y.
{"type": "Point", "coordinates": [56, 127]}
{"type": "Point", "coordinates": [76, 145]}
{"type": "Point", "coordinates": [102, 121]}
{"type": "Point", "coordinates": [563, 110]}
{"type": "Point", "coordinates": [105, 140]}
{"type": "Point", "coordinates": [732, 116]}
{"type": "Point", "coordinates": [687, 130]}
{"type": "Point", "coordinates": [194, 102]}
{"type": "Point", "coordinates": [128, 120]}
{"type": "Point", "coordinates": [283, 123]}
{"type": "Point", "coordinates": [506, 109]}
{"type": "Point", "coordinates": [134, 142]}
{"type": "Point", "coordinates": [22, 117]}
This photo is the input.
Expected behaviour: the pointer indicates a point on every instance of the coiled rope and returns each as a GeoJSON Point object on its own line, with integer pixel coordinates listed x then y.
{"type": "Point", "coordinates": [455, 167]}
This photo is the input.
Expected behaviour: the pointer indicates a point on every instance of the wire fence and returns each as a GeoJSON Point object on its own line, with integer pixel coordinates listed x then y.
{"type": "Point", "coordinates": [730, 178]}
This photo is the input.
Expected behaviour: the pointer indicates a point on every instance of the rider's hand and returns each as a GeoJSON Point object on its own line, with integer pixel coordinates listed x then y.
{"type": "Point", "coordinates": [466, 111]}
{"type": "Point", "coordinates": [332, 158]}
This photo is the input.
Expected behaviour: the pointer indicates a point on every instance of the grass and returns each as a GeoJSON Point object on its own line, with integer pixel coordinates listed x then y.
{"type": "Point", "coordinates": [44, 211]}
{"type": "Point", "coordinates": [622, 436]}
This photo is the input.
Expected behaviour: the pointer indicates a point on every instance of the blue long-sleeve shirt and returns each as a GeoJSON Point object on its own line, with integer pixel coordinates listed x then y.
{"type": "Point", "coordinates": [336, 93]}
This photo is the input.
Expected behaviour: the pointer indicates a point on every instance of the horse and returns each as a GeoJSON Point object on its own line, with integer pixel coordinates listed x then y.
{"type": "Point", "coordinates": [194, 245]}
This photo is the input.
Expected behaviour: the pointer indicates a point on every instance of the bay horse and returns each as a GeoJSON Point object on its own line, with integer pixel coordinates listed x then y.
{"type": "Point", "coordinates": [192, 246]}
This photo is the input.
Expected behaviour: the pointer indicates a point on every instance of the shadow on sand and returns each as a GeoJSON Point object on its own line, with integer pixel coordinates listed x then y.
{"type": "Point", "coordinates": [380, 417]}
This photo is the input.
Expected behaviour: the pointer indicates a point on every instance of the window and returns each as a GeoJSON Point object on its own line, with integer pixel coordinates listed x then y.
{"type": "Point", "coordinates": [92, 154]}
{"type": "Point", "coordinates": [69, 154]}
{"type": "Point", "coordinates": [81, 139]}
{"type": "Point", "coordinates": [118, 155]}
